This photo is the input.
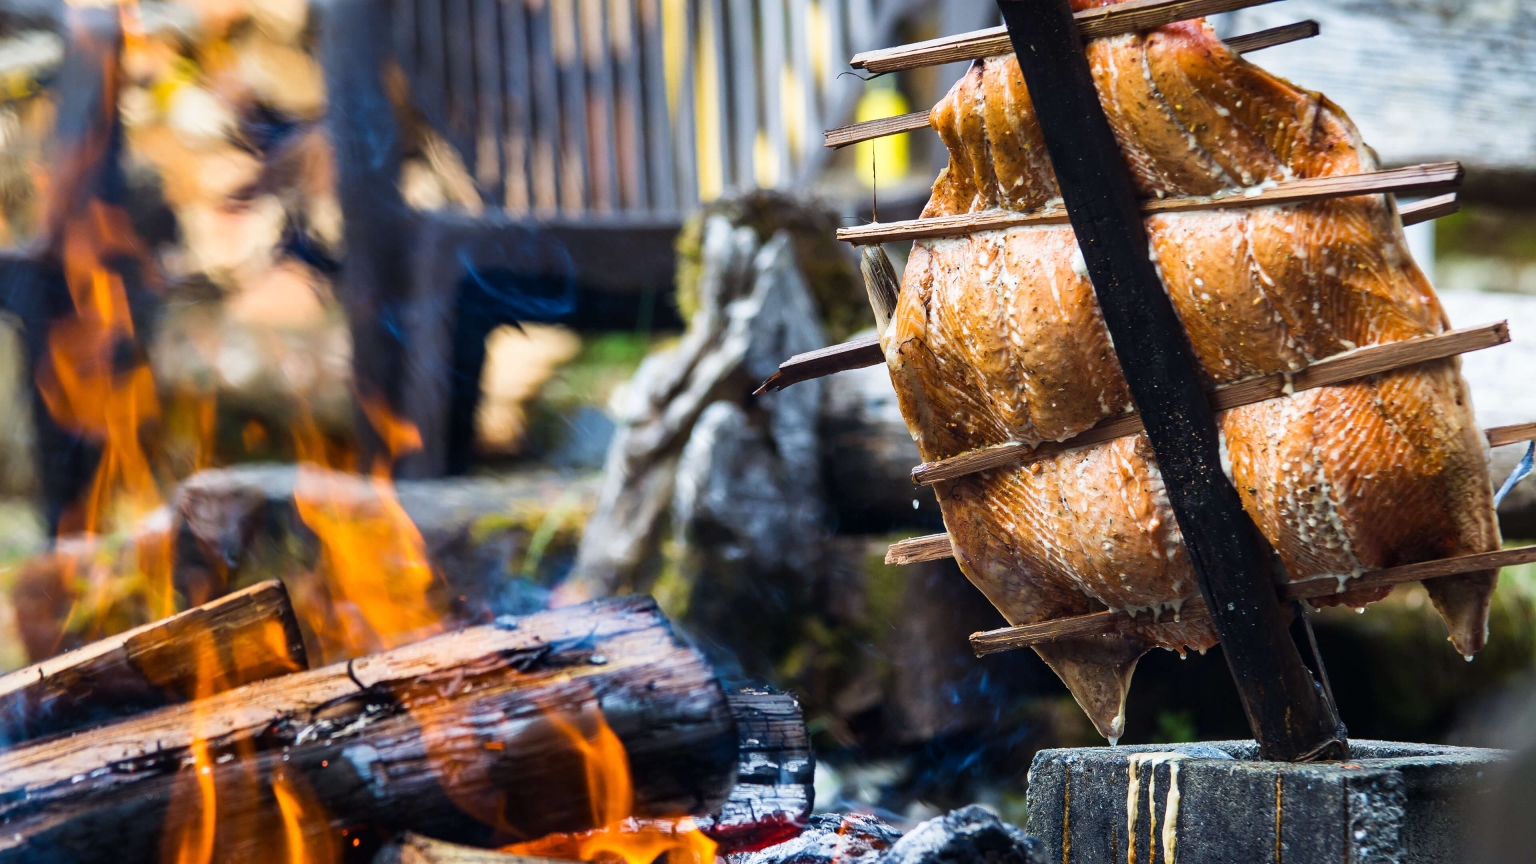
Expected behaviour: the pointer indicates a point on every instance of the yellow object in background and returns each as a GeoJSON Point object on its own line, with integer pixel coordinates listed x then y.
{"type": "Point", "coordinates": [887, 156]}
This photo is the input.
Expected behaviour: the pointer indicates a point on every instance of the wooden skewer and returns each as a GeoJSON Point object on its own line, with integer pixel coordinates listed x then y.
{"type": "Point", "coordinates": [1414, 178]}
{"type": "Point", "coordinates": [934, 547]}
{"type": "Point", "coordinates": [869, 130]}
{"type": "Point", "coordinates": [856, 354]}
{"type": "Point", "coordinates": [864, 352]}
{"type": "Point", "coordinates": [1091, 24]}
{"type": "Point", "coordinates": [1104, 623]}
{"type": "Point", "coordinates": [1429, 208]}
{"type": "Point", "coordinates": [1335, 370]}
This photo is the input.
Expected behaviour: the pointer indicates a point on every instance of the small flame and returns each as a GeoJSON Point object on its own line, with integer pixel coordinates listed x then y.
{"type": "Point", "coordinates": [620, 836]}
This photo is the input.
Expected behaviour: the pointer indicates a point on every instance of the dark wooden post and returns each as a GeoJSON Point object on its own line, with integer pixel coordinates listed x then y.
{"type": "Point", "coordinates": [1289, 716]}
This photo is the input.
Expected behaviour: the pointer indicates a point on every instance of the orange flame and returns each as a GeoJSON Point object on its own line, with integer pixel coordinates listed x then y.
{"type": "Point", "coordinates": [620, 836]}
{"type": "Point", "coordinates": [377, 582]}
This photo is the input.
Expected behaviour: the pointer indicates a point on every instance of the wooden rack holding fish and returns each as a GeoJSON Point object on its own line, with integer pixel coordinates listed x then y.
{"type": "Point", "coordinates": [1170, 450]}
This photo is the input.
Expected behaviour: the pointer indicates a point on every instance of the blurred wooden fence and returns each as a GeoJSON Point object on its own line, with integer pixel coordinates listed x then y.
{"type": "Point", "coordinates": [638, 108]}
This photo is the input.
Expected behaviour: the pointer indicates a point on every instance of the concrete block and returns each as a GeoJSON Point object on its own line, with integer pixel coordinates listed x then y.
{"type": "Point", "coordinates": [1207, 803]}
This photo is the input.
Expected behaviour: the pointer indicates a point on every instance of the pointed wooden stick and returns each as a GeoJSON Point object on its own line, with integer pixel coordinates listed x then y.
{"type": "Point", "coordinates": [1370, 360]}
{"type": "Point", "coordinates": [1194, 609]}
{"type": "Point", "coordinates": [865, 352]}
{"type": "Point", "coordinates": [1091, 24]}
{"type": "Point", "coordinates": [881, 284]}
{"type": "Point", "coordinates": [1412, 179]}
{"type": "Point", "coordinates": [935, 547]}
{"type": "Point", "coordinates": [869, 130]}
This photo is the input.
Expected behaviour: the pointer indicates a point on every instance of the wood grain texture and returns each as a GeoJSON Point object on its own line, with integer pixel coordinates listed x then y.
{"type": "Point", "coordinates": [932, 547]}
{"type": "Point", "coordinates": [1429, 208]}
{"type": "Point", "coordinates": [1403, 181]}
{"type": "Point", "coordinates": [1518, 433]}
{"type": "Point", "coordinates": [412, 848]}
{"type": "Point", "coordinates": [252, 633]}
{"type": "Point", "coordinates": [1234, 567]}
{"type": "Point", "coordinates": [1366, 361]}
{"type": "Point", "coordinates": [412, 739]}
{"type": "Point", "coordinates": [1091, 24]}
{"type": "Point", "coordinates": [872, 129]}
{"type": "Point", "coordinates": [1102, 623]}
{"type": "Point", "coordinates": [854, 354]}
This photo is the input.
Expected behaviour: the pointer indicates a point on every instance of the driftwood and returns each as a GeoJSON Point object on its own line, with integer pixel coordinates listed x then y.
{"type": "Point", "coordinates": [251, 634]}
{"type": "Point", "coordinates": [1336, 370]}
{"type": "Point", "coordinates": [465, 735]}
{"type": "Point", "coordinates": [1194, 609]}
{"type": "Point", "coordinates": [1414, 179]}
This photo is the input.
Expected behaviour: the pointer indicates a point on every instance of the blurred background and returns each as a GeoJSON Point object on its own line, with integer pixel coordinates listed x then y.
{"type": "Point", "coordinates": [522, 262]}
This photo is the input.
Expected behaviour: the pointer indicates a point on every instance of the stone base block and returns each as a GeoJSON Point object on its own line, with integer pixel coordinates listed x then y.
{"type": "Point", "coordinates": [1199, 803]}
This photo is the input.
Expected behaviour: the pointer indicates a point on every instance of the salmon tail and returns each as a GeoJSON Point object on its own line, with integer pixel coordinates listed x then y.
{"type": "Point", "coordinates": [1462, 602]}
{"type": "Point", "coordinates": [1097, 670]}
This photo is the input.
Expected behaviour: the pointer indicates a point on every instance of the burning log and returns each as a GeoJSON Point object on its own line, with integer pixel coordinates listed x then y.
{"type": "Point", "coordinates": [253, 631]}
{"type": "Point", "coordinates": [416, 849]}
{"type": "Point", "coordinates": [482, 735]}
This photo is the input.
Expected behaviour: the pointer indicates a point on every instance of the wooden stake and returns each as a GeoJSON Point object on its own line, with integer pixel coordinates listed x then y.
{"type": "Point", "coordinates": [1412, 179]}
{"type": "Point", "coordinates": [1290, 719]}
{"type": "Point", "coordinates": [1091, 24]}
{"type": "Point", "coordinates": [1366, 361]}
{"type": "Point", "coordinates": [869, 130]}
{"type": "Point", "coordinates": [1194, 609]}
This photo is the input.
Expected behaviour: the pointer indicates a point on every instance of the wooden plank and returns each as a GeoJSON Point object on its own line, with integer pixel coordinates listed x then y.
{"type": "Point", "coordinates": [565, 32]}
{"type": "Point", "coordinates": [805, 77]}
{"type": "Point", "coordinates": [545, 76]}
{"type": "Point", "coordinates": [858, 353]}
{"type": "Point", "coordinates": [1194, 609]}
{"type": "Point", "coordinates": [1409, 180]}
{"type": "Point", "coordinates": [489, 76]}
{"type": "Point", "coordinates": [517, 141]}
{"type": "Point", "coordinates": [741, 70]}
{"type": "Point", "coordinates": [1282, 35]}
{"type": "Point", "coordinates": [460, 106]}
{"type": "Point", "coordinates": [601, 142]}
{"type": "Point", "coordinates": [624, 37]}
{"type": "Point", "coordinates": [1091, 24]}
{"type": "Point", "coordinates": [772, 28]}
{"type": "Point", "coordinates": [660, 151]}
{"type": "Point", "coordinates": [1516, 434]}
{"type": "Point", "coordinates": [1370, 360]}
{"type": "Point", "coordinates": [872, 129]}
{"type": "Point", "coordinates": [1290, 718]}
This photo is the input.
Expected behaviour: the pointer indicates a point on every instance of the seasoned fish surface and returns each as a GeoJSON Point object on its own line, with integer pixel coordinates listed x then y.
{"type": "Point", "coordinates": [998, 338]}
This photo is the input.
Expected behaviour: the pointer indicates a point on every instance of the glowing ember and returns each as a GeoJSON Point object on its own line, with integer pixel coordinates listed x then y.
{"type": "Point", "coordinates": [620, 836]}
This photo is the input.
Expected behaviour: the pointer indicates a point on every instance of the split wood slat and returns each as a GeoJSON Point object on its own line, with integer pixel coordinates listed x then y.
{"type": "Point", "coordinates": [1371, 360]}
{"type": "Point", "coordinates": [1434, 176]}
{"type": "Point", "coordinates": [1194, 609]}
{"type": "Point", "coordinates": [859, 353]}
{"type": "Point", "coordinates": [935, 547]}
{"type": "Point", "coordinates": [1091, 24]}
{"type": "Point", "coordinates": [1429, 208]}
{"type": "Point", "coordinates": [872, 129]}
{"type": "Point", "coordinates": [1519, 433]}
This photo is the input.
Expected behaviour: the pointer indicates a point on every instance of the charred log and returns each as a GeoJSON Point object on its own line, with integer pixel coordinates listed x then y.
{"type": "Point", "coordinates": [250, 635]}
{"type": "Point", "coordinates": [469, 735]}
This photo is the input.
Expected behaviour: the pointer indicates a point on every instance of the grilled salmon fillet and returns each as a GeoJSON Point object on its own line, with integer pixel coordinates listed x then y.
{"type": "Point", "coordinates": [998, 338]}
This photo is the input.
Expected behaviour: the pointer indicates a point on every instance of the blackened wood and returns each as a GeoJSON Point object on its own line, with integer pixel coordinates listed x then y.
{"type": "Point", "coordinates": [451, 736]}
{"type": "Point", "coordinates": [1234, 566]}
{"type": "Point", "coordinates": [775, 773]}
{"type": "Point", "coordinates": [252, 633]}
{"type": "Point", "coordinates": [854, 354]}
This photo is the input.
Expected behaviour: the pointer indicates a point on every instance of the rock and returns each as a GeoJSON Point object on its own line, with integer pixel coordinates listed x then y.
{"type": "Point", "coordinates": [829, 839]}
{"type": "Point", "coordinates": [971, 835]}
